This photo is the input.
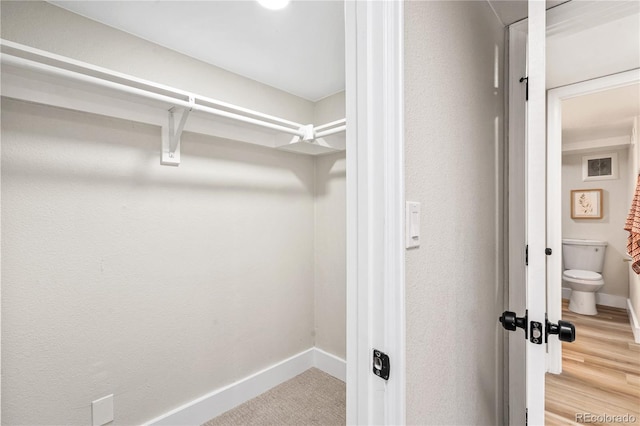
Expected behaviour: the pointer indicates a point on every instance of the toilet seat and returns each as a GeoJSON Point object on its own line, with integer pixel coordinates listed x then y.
{"type": "Point", "coordinates": [579, 274]}
{"type": "Point", "coordinates": [583, 285]}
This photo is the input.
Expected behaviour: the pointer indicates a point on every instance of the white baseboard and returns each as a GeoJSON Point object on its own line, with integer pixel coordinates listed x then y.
{"type": "Point", "coordinates": [633, 320]}
{"type": "Point", "coordinates": [220, 400]}
{"type": "Point", "coordinates": [330, 364]}
{"type": "Point", "coordinates": [602, 299]}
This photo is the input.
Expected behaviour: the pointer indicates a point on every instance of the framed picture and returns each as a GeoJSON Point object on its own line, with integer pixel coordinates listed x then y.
{"type": "Point", "coordinates": [586, 204]}
{"type": "Point", "coordinates": [600, 167]}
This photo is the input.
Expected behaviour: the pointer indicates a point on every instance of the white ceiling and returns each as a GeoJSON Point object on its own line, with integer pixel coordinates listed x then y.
{"type": "Point", "coordinates": [299, 49]}
{"type": "Point", "coordinates": [510, 11]}
{"type": "Point", "coordinates": [600, 115]}
{"type": "Point", "coordinates": [610, 46]}
{"type": "Point", "coordinates": [594, 39]}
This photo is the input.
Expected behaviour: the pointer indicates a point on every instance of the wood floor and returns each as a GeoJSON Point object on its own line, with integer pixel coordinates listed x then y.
{"type": "Point", "coordinates": [600, 371]}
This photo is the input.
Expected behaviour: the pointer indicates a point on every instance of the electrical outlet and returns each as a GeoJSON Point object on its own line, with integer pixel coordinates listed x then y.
{"type": "Point", "coordinates": [102, 411]}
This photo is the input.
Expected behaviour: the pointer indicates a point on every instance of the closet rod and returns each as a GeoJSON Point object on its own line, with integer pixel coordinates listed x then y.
{"type": "Point", "coordinates": [192, 104]}
{"type": "Point", "coordinates": [332, 124]}
{"type": "Point", "coordinates": [331, 132]}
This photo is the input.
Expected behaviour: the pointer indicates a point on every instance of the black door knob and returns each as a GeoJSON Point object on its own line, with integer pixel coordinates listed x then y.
{"type": "Point", "coordinates": [510, 321]}
{"type": "Point", "coordinates": [564, 329]}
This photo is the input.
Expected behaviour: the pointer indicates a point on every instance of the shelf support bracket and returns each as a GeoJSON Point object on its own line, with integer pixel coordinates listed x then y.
{"type": "Point", "coordinates": [308, 134]}
{"type": "Point", "coordinates": [171, 135]}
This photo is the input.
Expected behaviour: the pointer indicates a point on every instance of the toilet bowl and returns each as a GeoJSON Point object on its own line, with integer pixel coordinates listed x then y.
{"type": "Point", "coordinates": [583, 285]}
{"type": "Point", "coordinates": [583, 262]}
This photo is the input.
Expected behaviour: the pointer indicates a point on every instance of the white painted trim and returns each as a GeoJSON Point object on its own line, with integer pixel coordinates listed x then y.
{"type": "Point", "coordinates": [554, 194]}
{"type": "Point", "coordinates": [633, 320]}
{"type": "Point", "coordinates": [575, 16]}
{"type": "Point", "coordinates": [375, 216]}
{"type": "Point", "coordinates": [554, 231]}
{"type": "Point", "coordinates": [596, 145]}
{"type": "Point", "coordinates": [214, 403]}
{"type": "Point", "coordinates": [611, 300]}
{"type": "Point", "coordinates": [330, 364]}
{"type": "Point", "coordinates": [603, 299]}
{"type": "Point", "coordinates": [394, 247]}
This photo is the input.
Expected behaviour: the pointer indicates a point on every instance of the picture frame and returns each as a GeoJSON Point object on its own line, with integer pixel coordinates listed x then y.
{"type": "Point", "coordinates": [586, 204]}
{"type": "Point", "coordinates": [600, 167]}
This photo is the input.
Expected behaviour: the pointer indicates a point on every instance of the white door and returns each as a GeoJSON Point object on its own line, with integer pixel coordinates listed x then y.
{"type": "Point", "coordinates": [536, 274]}
{"type": "Point", "coordinates": [527, 228]}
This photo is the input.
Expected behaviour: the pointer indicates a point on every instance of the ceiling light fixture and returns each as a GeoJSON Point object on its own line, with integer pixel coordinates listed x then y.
{"type": "Point", "coordinates": [274, 4]}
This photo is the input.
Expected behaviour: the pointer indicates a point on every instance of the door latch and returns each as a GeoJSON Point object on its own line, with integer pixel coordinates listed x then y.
{"type": "Point", "coordinates": [381, 365]}
{"type": "Point", "coordinates": [565, 330]}
{"type": "Point", "coordinates": [510, 322]}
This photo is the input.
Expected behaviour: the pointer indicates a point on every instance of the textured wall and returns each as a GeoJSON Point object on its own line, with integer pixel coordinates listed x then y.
{"type": "Point", "coordinates": [330, 237]}
{"type": "Point", "coordinates": [454, 168]}
{"type": "Point", "coordinates": [158, 284]}
{"type": "Point", "coordinates": [616, 204]}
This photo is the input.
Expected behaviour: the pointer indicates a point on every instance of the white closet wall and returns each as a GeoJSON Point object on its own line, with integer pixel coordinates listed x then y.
{"type": "Point", "coordinates": [330, 238]}
{"type": "Point", "coordinates": [157, 284]}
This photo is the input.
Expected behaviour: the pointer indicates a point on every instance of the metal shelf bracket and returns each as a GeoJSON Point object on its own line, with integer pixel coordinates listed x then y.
{"type": "Point", "coordinates": [171, 135]}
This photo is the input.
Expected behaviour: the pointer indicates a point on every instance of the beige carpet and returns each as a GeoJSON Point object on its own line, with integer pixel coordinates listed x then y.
{"type": "Point", "coordinates": [312, 398]}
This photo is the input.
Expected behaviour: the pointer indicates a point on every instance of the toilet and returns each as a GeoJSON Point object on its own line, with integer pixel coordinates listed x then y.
{"type": "Point", "coordinates": [583, 262]}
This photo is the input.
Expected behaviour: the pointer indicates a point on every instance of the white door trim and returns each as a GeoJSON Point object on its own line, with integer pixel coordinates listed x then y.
{"type": "Point", "coordinates": [554, 192]}
{"type": "Point", "coordinates": [375, 210]}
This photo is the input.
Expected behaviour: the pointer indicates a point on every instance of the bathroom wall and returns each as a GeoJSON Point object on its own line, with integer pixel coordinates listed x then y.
{"type": "Point", "coordinates": [157, 284]}
{"type": "Point", "coordinates": [330, 237]}
{"type": "Point", "coordinates": [616, 203]}
{"type": "Point", "coordinates": [454, 166]}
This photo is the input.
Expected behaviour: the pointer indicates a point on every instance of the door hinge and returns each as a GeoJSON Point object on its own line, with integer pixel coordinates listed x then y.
{"type": "Point", "coordinates": [381, 364]}
{"type": "Point", "coordinates": [525, 80]}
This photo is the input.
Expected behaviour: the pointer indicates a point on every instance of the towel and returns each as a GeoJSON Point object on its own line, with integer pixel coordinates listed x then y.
{"type": "Point", "coordinates": [633, 226]}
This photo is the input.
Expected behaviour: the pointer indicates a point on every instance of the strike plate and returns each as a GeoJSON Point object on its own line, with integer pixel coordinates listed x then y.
{"type": "Point", "coordinates": [381, 365]}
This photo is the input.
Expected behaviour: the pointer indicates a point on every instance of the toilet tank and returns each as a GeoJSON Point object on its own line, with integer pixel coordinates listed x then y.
{"type": "Point", "coordinates": [587, 255]}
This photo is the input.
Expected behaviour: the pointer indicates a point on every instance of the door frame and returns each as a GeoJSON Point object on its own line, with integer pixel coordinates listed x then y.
{"type": "Point", "coordinates": [374, 37]}
{"type": "Point", "coordinates": [554, 193]}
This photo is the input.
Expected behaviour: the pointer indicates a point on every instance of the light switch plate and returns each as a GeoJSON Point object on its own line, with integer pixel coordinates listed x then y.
{"type": "Point", "coordinates": [102, 411]}
{"type": "Point", "coordinates": [412, 224]}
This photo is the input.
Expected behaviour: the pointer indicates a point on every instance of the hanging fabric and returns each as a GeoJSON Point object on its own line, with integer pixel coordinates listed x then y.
{"type": "Point", "coordinates": [633, 226]}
